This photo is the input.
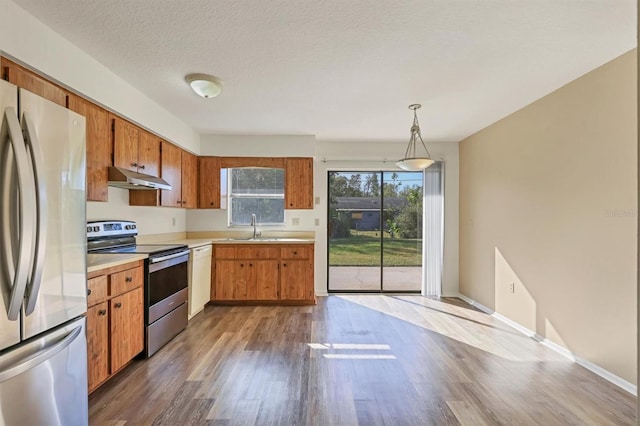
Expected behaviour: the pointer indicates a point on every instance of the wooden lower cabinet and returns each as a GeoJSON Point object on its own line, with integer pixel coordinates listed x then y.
{"type": "Point", "coordinates": [296, 279]}
{"type": "Point", "coordinates": [115, 320]}
{"type": "Point", "coordinates": [231, 280]}
{"type": "Point", "coordinates": [98, 344]}
{"type": "Point", "coordinates": [263, 273]}
{"type": "Point", "coordinates": [246, 279]}
{"type": "Point", "coordinates": [266, 283]}
{"type": "Point", "coordinates": [127, 327]}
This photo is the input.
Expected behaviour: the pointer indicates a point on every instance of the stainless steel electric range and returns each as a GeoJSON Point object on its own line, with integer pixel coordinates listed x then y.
{"type": "Point", "coordinates": [165, 280]}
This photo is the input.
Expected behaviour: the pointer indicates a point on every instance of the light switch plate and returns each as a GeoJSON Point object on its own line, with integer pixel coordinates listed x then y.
{"type": "Point", "coordinates": [317, 221]}
{"type": "Point", "coordinates": [317, 200]}
{"type": "Point", "coordinates": [295, 221]}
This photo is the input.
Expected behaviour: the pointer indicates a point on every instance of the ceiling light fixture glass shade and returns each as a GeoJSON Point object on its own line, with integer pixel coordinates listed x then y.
{"type": "Point", "coordinates": [207, 86]}
{"type": "Point", "coordinates": [412, 161]}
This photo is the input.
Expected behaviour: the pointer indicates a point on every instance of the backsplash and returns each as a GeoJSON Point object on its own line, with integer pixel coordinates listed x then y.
{"type": "Point", "coordinates": [163, 220]}
{"type": "Point", "coordinates": [150, 220]}
{"type": "Point", "coordinates": [216, 220]}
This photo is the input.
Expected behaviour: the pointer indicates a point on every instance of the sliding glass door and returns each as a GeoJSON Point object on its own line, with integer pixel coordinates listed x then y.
{"type": "Point", "coordinates": [402, 246]}
{"type": "Point", "coordinates": [375, 231]}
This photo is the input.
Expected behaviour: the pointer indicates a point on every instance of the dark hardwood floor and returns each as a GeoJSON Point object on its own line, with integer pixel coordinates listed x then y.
{"type": "Point", "coordinates": [357, 359]}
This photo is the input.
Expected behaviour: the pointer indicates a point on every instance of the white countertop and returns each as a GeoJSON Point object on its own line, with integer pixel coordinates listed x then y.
{"type": "Point", "coordinates": [199, 242]}
{"type": "Point", "coordinates": [98, 261]}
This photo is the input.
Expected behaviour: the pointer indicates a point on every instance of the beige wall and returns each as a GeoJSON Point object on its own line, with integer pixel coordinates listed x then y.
{"type": "Point", "coordinates": [548, 201]}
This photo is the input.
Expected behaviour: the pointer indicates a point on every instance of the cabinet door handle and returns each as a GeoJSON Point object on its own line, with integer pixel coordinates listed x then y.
{"type": "Point", "coordinates": [242, 265]}
{"type": "Point", "coordinates": [128, 279]}
{"type": "Point", "coordinates": [88, 292]}
{"type": "Point", "coordinates": [134, 164]}
{"type": "Point", "coordinates": [184, 202]}
{"type": "Point", "coordinates": [118, 305]}
{"type": "Point", "coordinates": [141, 166]}
{"type": "Point", "coordinates": [102, 312]}
{"type": "Point", "coordinates": [251, 264]}
{"type": "Point", "coordinates": [211, 203]}
{"type": "Point", "coordinates": [295, 253]}
{"type": "Point", "coordinates": [284, 264]}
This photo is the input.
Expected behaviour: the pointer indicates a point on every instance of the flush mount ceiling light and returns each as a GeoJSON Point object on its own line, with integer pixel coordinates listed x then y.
{"type": "Point", "coordinates": [412, 161]}
{"type": "Point", "coordinates": [205, 85]}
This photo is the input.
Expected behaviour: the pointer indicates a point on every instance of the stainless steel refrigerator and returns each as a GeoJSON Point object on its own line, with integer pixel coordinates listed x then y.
{"type": "Point", "coordinates": [43, 349]}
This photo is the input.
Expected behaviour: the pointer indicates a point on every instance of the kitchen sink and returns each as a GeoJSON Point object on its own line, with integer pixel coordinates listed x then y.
{"type": "Point", "coordinates": [263, 239]}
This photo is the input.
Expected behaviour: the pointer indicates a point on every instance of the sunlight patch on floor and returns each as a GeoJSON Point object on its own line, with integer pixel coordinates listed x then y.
{"type": "Point", "coordinates": [358, 356]}
{"type": "Point", "coordinates": [465, 325]}
{"type": "Point", "coordinates": [361, 346]}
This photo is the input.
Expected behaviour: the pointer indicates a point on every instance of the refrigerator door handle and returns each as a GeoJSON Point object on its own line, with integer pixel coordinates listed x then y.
{"type": "Point", "coordinates": [35, 151]}
{"type": "Point", "coordinates": [13, 296]}
{"type": "Point", "coordinates": [42, 355]}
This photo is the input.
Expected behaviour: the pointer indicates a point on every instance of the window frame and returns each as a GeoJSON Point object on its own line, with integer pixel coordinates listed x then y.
{"type": "Point", "coordinates": [230, 196]}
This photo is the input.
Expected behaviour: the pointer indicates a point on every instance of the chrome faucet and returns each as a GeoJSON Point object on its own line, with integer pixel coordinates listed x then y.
{"type": "Point", "coordinates": [253, 223]}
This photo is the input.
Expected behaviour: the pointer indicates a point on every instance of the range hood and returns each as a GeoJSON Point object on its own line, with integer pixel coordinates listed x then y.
{"type": "Point", "coordinates": [127, 179]}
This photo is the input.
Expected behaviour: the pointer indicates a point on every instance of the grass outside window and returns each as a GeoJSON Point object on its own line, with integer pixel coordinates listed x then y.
{"type": "Point", "coordinates": [363, 249]}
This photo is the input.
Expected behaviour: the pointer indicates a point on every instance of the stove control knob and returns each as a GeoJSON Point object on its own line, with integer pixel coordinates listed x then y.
{"type": "Point", "coordinates": [96, 228]}
{"type": "Point", "coordinates": [89, 228]}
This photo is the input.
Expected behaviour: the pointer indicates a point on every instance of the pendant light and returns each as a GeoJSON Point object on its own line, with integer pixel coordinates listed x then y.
{"type": "Point", "coordinates": [413, 162]}
{"type": "Point", "coordinates": [207, 86]}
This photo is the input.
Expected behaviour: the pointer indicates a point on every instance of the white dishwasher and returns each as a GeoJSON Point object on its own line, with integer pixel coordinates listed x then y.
{"type": "Point", "coordinates": [199, 278]}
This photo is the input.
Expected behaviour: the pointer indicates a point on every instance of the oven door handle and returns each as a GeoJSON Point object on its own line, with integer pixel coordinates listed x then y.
{"type": "Point", "coordinates": [168, 257]}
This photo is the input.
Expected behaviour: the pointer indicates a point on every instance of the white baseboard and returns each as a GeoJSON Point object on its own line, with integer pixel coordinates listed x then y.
{"type": "Point", "coordinates": [605, 374]}
{"type": "Point", "coordinates": [476, 304]}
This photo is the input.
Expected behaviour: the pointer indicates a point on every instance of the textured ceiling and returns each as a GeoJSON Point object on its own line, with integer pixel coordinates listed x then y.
{"type": "Point", "coordinates": [346, 69]}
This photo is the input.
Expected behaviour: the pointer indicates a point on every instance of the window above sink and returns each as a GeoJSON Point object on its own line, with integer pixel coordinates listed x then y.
{"type": "Point", "coordinates": [253, 190]}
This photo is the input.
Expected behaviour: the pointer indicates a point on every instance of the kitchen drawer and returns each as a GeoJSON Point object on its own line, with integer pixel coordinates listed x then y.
{"type": "Point", "coordinates": [124, 281]}
{"type": "Point", "coordinates": [257, 252]}
{"type": "Point", "coordinates": [225, 252]}
{"type": "Point", "coordinates": [97, 290]}
{"type": "Point", "coordinates": [295, 252]}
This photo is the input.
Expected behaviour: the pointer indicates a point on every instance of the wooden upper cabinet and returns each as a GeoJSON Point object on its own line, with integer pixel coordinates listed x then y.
{"type": "Point", "coordinates": [98, 146]}
{"type": "Point", "coordinates": [125, 144]}
{"type": "Point", "coordinates": [189, 180]}
{"type": "Point", "coordinates": [172, 173]}
{"type": "Point", "coordinates": [298, 192]}
{"type": "Point", "coordinates": [134, 148]}
{"type": "Point", "coordinates": [298, 178]}
{"type": "Point", "coordinates": [178, 167]}
{"type": "Point", "coordinates": [209, 182]}
{"type": "Point", "coordinates": [148, 153]}
{"type": "Point", "coordinates": [32, 82]}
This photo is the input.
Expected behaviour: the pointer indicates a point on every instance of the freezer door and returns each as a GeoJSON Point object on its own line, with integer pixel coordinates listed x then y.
{"type": "Point", "coordinates": [12, 268]}
{"type": "Point", "coordinates": [57, 289]}
{"type": "Point", "coordinates": [44, 381]}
